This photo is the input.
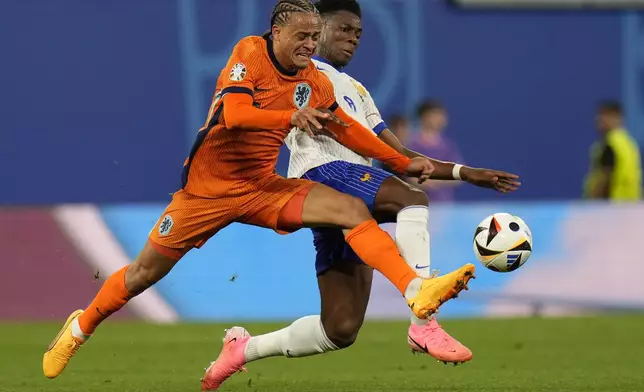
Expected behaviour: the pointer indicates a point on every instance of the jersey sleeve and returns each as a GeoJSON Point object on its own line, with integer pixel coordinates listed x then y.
{"type": "Point", "coordinates": [239, 112]}
{"type": "Point", "coordinates": [243, 69]}
{"type": "Point", "coordinates": [372, 114]}
{"type": "Point", "coordinates": [362, 141]}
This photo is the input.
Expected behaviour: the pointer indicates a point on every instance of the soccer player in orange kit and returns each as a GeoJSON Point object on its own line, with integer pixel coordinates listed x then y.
{"type": "Point", "coordinates": [268, 86]}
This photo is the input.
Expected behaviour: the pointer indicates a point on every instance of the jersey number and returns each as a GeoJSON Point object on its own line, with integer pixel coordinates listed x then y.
{"type": "Point", "coordinates": [349, 102]}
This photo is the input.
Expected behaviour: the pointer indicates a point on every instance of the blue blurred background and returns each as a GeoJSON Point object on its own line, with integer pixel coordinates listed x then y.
{"type": "Point", "coordinates": [101, 100]}
{"type": "Point", "coordinates": [100, 103]}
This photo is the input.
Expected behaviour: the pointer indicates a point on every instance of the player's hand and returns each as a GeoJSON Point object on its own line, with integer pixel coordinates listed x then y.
{"type": "Point", "coordinates": [499, 181]}
{"type": "Point", "coordinates": [313, 121]}
{"type": "Point", "coordinates": [332, 117]}
{"type": "Point", "coordinates": [420, 168]}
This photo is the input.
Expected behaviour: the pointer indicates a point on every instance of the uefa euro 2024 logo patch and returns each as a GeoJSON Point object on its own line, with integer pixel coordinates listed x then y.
{"type": "Point", "coordinates": [238, 72]}
{"type": "Point", "coordinates": [302, 95]}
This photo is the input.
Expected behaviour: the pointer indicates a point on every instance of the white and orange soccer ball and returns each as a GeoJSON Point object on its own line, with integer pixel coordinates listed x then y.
{"type": "Point", "coordinates": [502, 242]}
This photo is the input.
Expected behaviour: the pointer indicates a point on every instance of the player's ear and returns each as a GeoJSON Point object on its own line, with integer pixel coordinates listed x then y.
{"type": "Point", "coordinates": [275, 31]}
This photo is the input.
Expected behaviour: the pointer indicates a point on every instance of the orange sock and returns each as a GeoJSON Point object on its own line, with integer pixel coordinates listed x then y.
{"type": "Point", "coordinates": [112, 296]}
{"type": "Point", "coordinates": [376, 248]}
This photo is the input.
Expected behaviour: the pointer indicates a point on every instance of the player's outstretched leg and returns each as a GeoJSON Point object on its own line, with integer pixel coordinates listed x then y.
{"type": "Point", "coordinates": [344, 291]}
{"type": "Point", "coordinates": [324, 206]}
{"type": "Point", "coordinates": [408, 206]}
{"type": "Point", "coordinates": [148, 268]}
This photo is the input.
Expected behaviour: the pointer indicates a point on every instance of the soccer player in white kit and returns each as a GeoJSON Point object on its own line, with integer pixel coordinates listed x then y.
{"type": "Point", "coordinates": [344, 281]}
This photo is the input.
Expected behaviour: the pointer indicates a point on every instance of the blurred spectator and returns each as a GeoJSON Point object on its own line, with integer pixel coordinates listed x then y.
{"type": "Point", "coordinates": [615, 166]}
{"type": "Point", "coordinates": [399, 126]}
{"type": "Point", "coordinates": [431, 141]}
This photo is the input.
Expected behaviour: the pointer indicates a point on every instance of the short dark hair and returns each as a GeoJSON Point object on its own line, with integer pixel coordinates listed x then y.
{"type": "Point", "coordinates": [428, 106]}
{"type": "Point", "coordinates": [326, 7]}
{"type": "Point", "coordinates": [610, 106]}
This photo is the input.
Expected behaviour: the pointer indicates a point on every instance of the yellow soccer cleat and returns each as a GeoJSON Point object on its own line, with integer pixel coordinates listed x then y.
{"type": "Point", "coordinates": [436, 291]}
{"type": "Point", "coordinates": [61, 349]}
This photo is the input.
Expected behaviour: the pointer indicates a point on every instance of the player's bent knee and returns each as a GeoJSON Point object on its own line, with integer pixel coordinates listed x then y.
{"type": "Point", "coordinates": [325, 206]}
{"type": "Point", "coordinates": [354, 212]}
{"type": "Point", "coordinates": [343, 331]}
{"type": "Point", "coordinates": [414, 197]}
{"type": "Point", "coordinates": [394, 195]}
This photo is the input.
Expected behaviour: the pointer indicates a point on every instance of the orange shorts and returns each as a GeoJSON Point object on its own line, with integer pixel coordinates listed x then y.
{"type": "Point", "coordinates": [189, 220]}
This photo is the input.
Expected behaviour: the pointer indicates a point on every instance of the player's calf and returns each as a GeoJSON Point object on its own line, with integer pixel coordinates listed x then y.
{"type": "Point", "coordinates": [153, 264]}
{"type": "Point", "coordinates": [149, 267]}
{"type": "Point", "coordinates": [325, 206]}
{"type": "Point", "coordinates": [344, 293]}
{"type": "Point", "coordinates": [376, 248]}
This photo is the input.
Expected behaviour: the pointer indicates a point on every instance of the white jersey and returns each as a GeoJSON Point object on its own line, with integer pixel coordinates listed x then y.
{"type": "Point", "coordinates": [308, 153]}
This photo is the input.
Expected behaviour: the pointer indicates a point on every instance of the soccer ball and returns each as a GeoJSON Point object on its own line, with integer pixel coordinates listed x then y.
{"type": "Point", "coordinates": [502, 242]}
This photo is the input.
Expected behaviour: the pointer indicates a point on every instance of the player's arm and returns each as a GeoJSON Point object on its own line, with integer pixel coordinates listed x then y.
{"type": "Point", "coordinates": [243, 72]}
{"type": "Point", "coordinates": [601, 188]}
{"type": "Point", "coordinates": [444, 173]}
{"type": "Point", "coordinates": [485, 178]}
{"type": "Point", "coordinates": [363, 141]}
{"type": "Point", "coordinates": [442, 170]}
{"type": "Point", "coordinates": [239, 112]}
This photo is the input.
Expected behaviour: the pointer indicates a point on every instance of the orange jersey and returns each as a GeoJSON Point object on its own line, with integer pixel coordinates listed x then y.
{"type": "Point", "coordinates": [227, 158]}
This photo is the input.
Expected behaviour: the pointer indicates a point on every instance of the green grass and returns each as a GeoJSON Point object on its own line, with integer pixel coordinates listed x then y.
{"type": "Point", "coordinates": [576, 354]}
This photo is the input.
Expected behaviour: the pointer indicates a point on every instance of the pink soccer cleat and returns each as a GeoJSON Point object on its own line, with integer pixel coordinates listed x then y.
{"type": "Point", "coordinates": [433, 340]}
{"type": "Point", "coordinates": [231, 359]}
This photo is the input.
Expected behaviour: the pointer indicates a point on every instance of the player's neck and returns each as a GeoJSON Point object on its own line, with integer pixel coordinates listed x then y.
{"type": "Point", "coordinates": [324, 59]}
{"type": "Point", "coordinates": [279, 60]}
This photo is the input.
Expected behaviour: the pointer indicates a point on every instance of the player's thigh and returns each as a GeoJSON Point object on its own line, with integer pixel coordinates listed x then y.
{"type": "Point", "coordinates": [394, 194]}
{"type": "Point", "coordinates": [361, 181]}
{"type": "Point", "coordinates": [326, 207]}
{"type": "Point", "coordinates": [286, 205]}
{"type": "Point", "coordinates": [188, 222]}
{"type": "Point", "coordinates": [275, 203]}
{"type": "Point", "coordinates": [344, 291]}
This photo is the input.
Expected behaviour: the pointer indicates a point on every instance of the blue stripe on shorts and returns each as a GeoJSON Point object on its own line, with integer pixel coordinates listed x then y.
{"type": "Point", "coordinates": [356, 180]}
{"type": "Point", "coordinates": [353, 179]}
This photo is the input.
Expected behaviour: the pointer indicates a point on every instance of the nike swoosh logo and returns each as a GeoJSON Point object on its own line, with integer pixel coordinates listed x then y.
{"type": "Point", "coordinates": [424, 348]}
{"type": "Point", "coordinates": [422, 266]}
